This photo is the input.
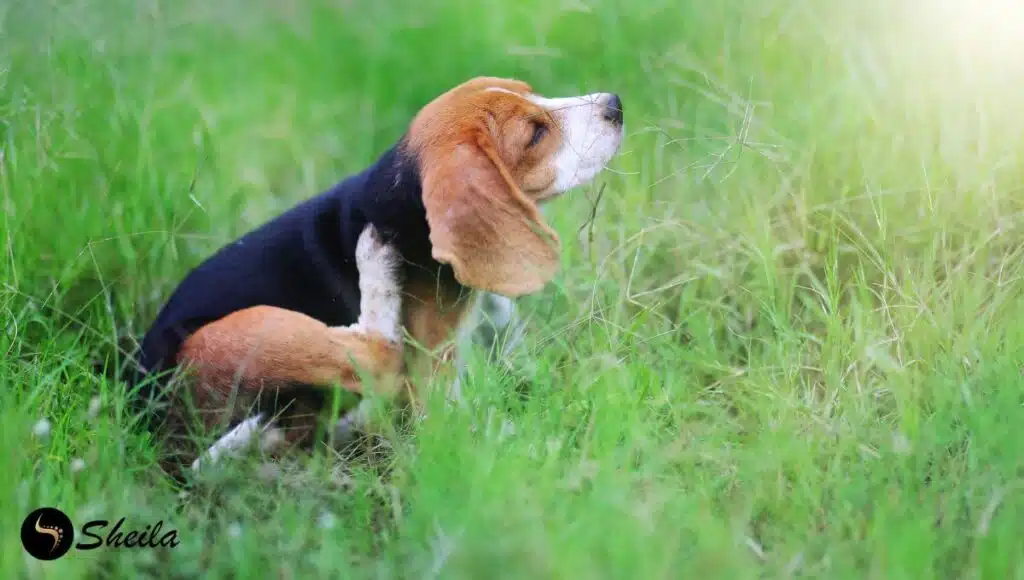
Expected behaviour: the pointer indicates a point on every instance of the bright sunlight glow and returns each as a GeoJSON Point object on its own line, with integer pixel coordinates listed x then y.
{"type": "Point", "coordinates": [980, 28]}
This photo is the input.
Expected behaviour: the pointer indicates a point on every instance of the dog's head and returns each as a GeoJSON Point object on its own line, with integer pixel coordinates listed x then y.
{"type": "Point", "coordinates": [489, 151]}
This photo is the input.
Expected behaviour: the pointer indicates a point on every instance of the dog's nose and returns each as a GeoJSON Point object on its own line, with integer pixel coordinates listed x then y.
{"type": "Point", "coordinates": [613, 110]}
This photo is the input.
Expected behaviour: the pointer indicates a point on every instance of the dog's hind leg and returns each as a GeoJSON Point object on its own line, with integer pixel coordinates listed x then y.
{"type": "Point", "coordinates": [266, 347]}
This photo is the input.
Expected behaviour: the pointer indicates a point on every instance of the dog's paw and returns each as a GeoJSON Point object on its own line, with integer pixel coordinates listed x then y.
{"type": "Point", "coordinates": [231, 444]}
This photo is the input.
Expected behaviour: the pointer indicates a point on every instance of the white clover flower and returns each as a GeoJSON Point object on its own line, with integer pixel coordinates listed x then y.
{"type": "Point", "coordinates": [41, 429]}
{"type": "Point", "coordinates": [94, 407]}
{"type": "Point", "coordinates": [326, 521]}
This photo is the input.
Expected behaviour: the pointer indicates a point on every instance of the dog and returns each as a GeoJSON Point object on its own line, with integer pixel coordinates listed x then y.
{"type": "Point", "coordinates": [328, 294]}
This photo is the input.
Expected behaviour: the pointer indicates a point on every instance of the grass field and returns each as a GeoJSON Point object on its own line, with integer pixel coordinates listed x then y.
{"type": "Point", "coordinates": [789, 344]}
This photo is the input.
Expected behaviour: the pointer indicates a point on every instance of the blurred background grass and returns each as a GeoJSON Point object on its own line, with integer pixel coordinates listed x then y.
{"type": "Point", "coordinates": [788, 344]}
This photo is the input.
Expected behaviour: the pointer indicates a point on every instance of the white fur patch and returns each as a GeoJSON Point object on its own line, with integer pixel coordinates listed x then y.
{"type": "Point", "coordinates": [589, 140]}
{"type": "Point", "coordinates": [380, 304]}
{"type": "Point", "coordinates": [235, 441]}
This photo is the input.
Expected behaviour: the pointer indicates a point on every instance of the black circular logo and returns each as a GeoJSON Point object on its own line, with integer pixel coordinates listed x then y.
{"type": "Point", "coordinates": [47, 533]}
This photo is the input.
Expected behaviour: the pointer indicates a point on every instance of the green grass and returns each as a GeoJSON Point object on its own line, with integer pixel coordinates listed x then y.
{"type": "Point", "coordinates": [790, 344]}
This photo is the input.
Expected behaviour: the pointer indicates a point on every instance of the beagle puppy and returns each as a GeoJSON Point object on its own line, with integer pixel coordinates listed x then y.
{"type": "Point", "coordinates": [317, 298]}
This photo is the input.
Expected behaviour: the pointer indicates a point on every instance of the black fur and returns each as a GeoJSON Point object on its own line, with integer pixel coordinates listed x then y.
{"type": "Point", "coordinates": [303, 260]}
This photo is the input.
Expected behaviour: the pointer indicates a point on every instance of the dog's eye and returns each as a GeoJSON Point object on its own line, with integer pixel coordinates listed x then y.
{"type": "Point", "coordinates": [539, 131]}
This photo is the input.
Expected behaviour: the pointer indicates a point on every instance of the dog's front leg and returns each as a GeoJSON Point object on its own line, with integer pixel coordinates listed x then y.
{"type": "Point", "coordinates": [497, 327]}
{"type": "Point", "coordinates": [380, 311]}
{"type": "Point", "coordinates": [380, 302]}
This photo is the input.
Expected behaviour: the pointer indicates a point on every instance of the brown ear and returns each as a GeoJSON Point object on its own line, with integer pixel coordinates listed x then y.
{"type": "Point", "coordinates": [482, 224]}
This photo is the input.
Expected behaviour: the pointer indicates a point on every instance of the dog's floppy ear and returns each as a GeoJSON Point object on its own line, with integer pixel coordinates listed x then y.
{"type": "Point", "coordinates": [482, 224]}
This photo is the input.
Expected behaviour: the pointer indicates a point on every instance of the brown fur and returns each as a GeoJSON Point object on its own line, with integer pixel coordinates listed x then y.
{"type": "Point", "coordinates": [278, 347]}
{"type": "Point", "coordinates": [261, 351]}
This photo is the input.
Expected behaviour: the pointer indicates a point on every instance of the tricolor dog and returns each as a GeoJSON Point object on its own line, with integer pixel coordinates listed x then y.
{"type": "Point", "coordinates": [327, 295]}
